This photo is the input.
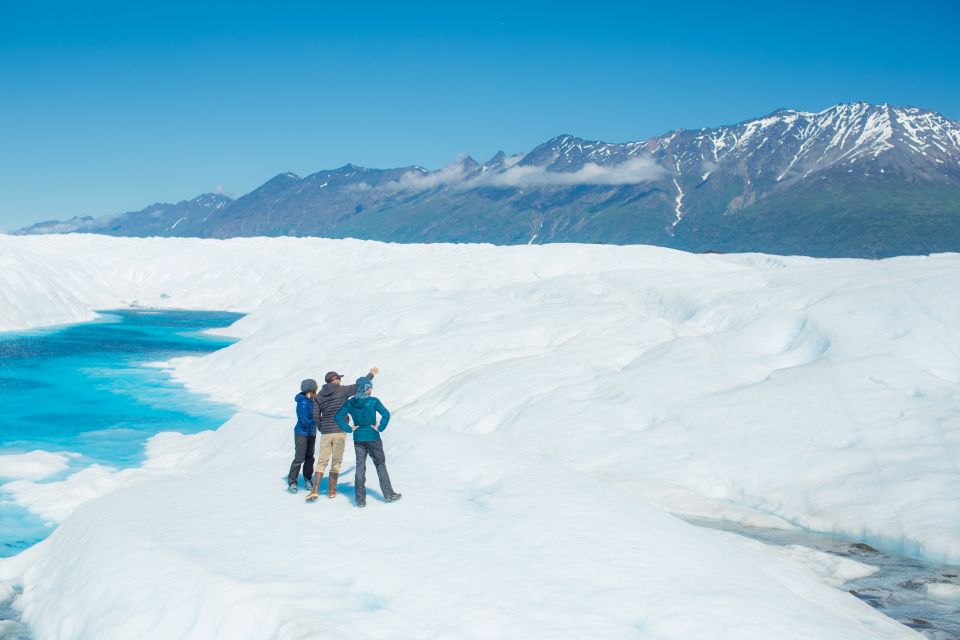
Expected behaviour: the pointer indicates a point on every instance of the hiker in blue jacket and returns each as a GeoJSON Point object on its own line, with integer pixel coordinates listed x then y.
{"type": "Point", "coordinates": [363, 409]}
{"type": "Point", "coordinates": [304, 436]}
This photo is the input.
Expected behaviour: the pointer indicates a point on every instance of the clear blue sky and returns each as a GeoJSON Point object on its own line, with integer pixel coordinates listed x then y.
{"type": "Point", "coordinates": [107, 107]}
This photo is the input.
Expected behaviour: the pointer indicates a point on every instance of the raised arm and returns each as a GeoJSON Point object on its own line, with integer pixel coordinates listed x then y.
{"type": "Point", "coordinates": [351, 389]}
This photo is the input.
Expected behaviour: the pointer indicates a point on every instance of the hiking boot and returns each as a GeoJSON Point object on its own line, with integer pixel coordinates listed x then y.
{"type": "Point", "coordinates": [394, 497]}
{"type": "Point", "coordinates": [308, 485]}
{"type": "Point", "coordinates": [332, 485]}
{"type": "Point", "coordinates": [361, 503]}
{"type": "Point", "coordinates": [292, 487]}
{"type": "Point", "coordinates": [313, 486]}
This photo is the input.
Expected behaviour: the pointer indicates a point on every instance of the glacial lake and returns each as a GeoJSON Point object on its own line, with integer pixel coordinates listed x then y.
{"type": "Point", "coordinates": [93, 390]}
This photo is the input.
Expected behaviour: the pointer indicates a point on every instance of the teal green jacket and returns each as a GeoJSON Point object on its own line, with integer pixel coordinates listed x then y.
{"type": "Point", "coordinates": [363, 411]}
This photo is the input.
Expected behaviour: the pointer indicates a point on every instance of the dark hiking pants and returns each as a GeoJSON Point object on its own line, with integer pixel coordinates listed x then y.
{"type": "Point", "coordinates": [375, 449]}
{"type": "Point", "coordinates": [304, 447]}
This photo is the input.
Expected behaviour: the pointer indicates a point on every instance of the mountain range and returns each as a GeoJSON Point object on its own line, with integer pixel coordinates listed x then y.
{"type": "Point", "coordinates": [857, 180]}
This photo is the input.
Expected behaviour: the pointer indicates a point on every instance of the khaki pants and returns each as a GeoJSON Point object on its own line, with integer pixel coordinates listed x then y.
{"type": "Point", "coordinates": [331, 443]}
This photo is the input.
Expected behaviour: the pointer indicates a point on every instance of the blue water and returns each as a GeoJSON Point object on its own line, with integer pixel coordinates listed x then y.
{"type": "Point", "coordinates": [85, 389]}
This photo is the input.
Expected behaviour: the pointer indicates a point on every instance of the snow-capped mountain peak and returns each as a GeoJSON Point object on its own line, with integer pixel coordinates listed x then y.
{"type": "Point", "coordinates": [795, 144]}
{"type": "Point", "coordinates": [790, 177]}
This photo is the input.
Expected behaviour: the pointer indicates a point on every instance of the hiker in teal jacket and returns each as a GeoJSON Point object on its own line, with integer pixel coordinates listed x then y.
{"type": "Point", "coordinates": [363, 409]}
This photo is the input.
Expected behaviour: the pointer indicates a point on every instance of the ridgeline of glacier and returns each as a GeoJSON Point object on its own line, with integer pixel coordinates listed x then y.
{"type": "Point", "coordinates": [555, 409]}
{"type": "Point", "coordinates": [853, 180]}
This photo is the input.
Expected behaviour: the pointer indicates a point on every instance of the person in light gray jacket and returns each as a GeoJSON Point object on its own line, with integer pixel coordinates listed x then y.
{"type": "Point", "coordinates": [329, 399]}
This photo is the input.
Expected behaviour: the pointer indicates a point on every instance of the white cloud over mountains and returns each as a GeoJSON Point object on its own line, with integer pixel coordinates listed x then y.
{"type": "Point", "coordinates": [461, 176]}
{"type": "Point", "coordinates": [416, 180]}
{"type": "Point", "coordinates": [631, 171]}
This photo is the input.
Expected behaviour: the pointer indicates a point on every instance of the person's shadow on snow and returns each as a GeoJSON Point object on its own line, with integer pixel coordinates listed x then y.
{"type": "Point", "coordinates": [349, 489]}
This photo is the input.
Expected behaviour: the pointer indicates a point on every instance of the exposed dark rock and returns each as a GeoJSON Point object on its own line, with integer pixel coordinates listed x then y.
{"type": "Point", "coordinates": [854, 180]}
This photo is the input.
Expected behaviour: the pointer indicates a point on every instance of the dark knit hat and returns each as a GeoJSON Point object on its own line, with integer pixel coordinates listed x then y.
{"type": "Point", "coordinates": [308, 385]}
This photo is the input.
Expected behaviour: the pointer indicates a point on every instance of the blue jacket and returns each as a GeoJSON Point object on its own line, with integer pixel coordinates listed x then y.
{"type": "Point", "coordinates": [363, 410]}
{"type": "Point", "coordinates": [306, 425]}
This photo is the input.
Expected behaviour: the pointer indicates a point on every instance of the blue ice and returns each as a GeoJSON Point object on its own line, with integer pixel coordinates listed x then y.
{"type": "Point", "coordinates": [84, 388]}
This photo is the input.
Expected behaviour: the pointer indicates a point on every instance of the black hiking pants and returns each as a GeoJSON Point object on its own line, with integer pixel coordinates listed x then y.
{"type": "Point", "coordinates": [375, 449]}
{"type": "Point", "coordinates": [304, 448]}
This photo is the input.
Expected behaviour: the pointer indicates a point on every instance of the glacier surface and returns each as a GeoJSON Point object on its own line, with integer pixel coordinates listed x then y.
{"type": "Point", "coordinates": [553, 405]}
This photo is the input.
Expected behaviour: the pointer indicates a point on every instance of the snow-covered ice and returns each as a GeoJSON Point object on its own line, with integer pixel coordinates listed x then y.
{"type": "Point", "coordinates": [943, 590]}
{"type": "Point", "coordinates": [829, 568]}
{"type": "Point", "coordinates": [34, 465]}
{"type": "Point", "coordinates": [552, 404]}
{"type": "Point", "coordinates": [489, 541]}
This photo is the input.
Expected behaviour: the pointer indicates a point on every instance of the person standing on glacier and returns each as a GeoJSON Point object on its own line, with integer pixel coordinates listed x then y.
{"type": "Point", "coordinates": [304, 436]}
{"type": "Point", "coordinates": [363, 409]}
{"type": "Point", "coordinates": [329, 400]}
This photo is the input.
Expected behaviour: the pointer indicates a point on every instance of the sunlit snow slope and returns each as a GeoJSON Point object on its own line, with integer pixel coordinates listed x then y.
{"type": "Point", "coordinates": [544, 396]}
